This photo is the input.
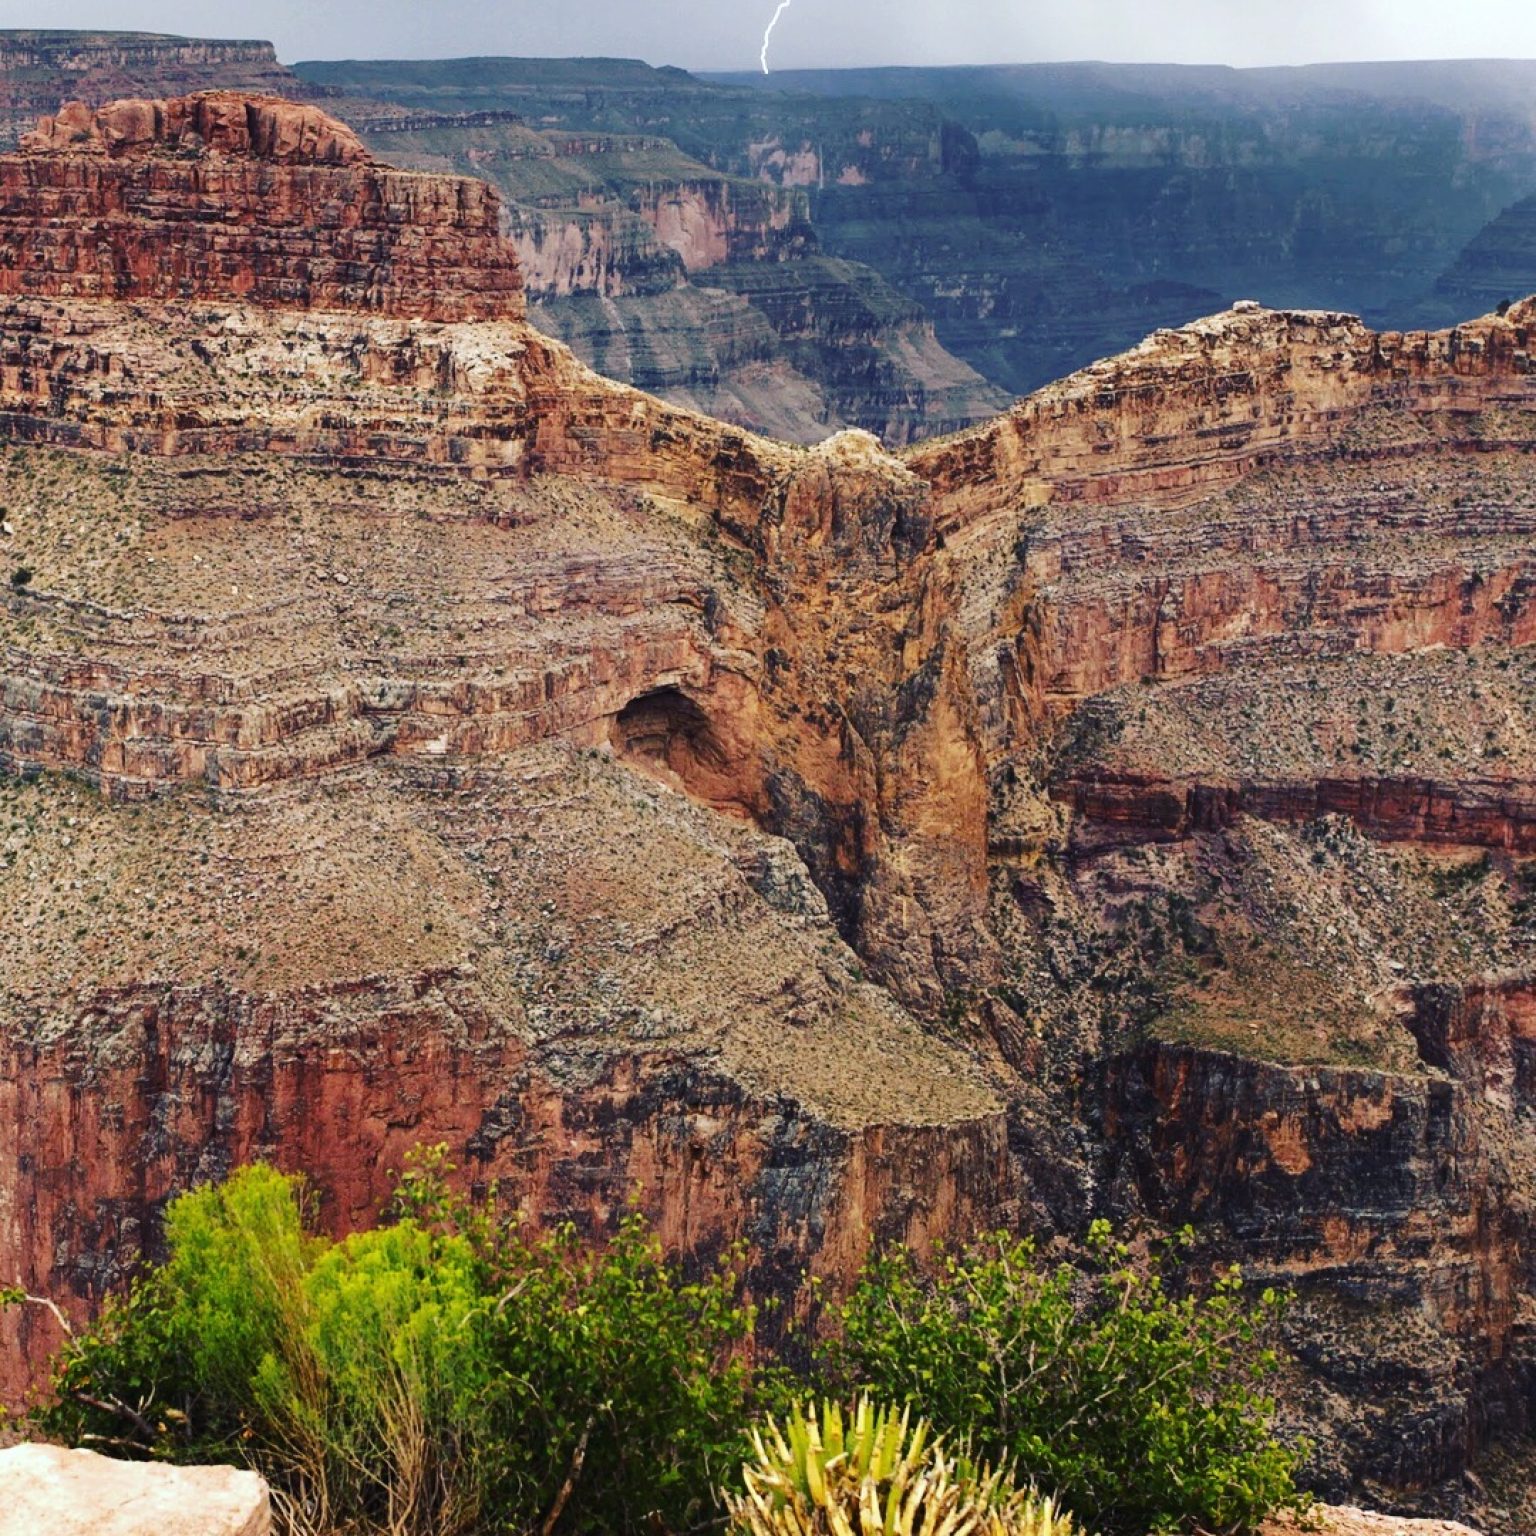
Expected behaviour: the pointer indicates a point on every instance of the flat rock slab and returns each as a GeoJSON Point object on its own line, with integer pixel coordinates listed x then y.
{"type": "Point", "coordinates": [45, 1488]}
{"type": "Point", "coordinates": [1337, 1520]}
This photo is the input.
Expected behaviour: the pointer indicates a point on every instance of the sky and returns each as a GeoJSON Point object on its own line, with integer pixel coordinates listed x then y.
{"type": "Point", "coordinates": [727, 34]}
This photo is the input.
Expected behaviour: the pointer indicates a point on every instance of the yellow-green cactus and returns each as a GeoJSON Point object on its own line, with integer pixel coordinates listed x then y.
{"type": "Point", "coordinates": [878, 1475]}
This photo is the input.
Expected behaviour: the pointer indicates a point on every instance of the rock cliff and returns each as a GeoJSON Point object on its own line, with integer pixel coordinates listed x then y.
{"type": "Point", "coordinates": [1122, 808]}
{"type": "Point", "coordinates": [255, 198]}
{"type": "Point", "coordinates": [708, 289]}
{"type": "Point", "coordinates": [484, 693]}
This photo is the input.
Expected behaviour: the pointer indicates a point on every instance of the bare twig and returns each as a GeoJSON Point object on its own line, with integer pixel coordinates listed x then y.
{"type": "Point", "coordinates": [569, 1485]}
{"type": "Point", "coordinates": [511, 1296]}
{"type": "Point", "coordinates": [50, 1303]}
{"type": "Point", "coordinates": [120, 1409]}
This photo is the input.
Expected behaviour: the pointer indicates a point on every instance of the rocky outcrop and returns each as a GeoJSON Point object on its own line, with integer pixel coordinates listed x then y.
{"type": "Point", "coordinates": [79, 1493]}
{"type": "Point", "coordinates": [1340, 1520]}
{"type": "Point", "coordinates": [759, 651]}
{"type": "Point", "coordinates": [1192, 411]}
{"type": "Point", "coordinates": [115, 203]}
{"type": "Point", "coordinates": [40, 70]}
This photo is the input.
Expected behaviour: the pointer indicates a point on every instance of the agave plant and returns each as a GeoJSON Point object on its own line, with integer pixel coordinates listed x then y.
{"type": "Point", "coordinates": [878, 1475]}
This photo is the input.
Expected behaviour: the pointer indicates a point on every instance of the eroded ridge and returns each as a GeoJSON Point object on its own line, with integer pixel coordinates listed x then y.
{"type": "Point", "coordinates": [472, 749]}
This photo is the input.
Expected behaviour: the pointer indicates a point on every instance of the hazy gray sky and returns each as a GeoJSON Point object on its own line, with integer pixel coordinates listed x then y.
{"type": "Point", "coordinates": [726, 34]}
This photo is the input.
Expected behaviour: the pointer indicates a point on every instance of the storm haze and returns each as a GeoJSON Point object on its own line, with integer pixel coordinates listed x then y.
{"type": "Point", "coordinates": [712, 34]}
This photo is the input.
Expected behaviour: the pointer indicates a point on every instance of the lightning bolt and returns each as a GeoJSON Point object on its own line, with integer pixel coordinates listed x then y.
{"type": "Point", "coordinates": [784, 5]}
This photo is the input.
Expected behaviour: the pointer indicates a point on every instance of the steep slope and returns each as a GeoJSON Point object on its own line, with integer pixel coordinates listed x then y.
{"type": "Point", "coordinates": [1247, 610]}
{"type": "Point", "coordinates": [1495, 267]}
{"type": "Point", "coordinates": [1123, 808]}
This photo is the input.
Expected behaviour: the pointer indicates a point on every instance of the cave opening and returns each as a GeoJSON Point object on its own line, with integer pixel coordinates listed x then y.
{"type": "Point", "coordinates": [670, 735]}
{"type": "Point", "coordinates": [667, 729]}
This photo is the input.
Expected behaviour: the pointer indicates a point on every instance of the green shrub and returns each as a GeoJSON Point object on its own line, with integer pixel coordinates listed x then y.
{"type": "Point", "coordinates": [882, 1476]}
{"type": "Point", "coordinates": [438, 1374]}
{"type": "Point", "coordinates": [1143, 1411]}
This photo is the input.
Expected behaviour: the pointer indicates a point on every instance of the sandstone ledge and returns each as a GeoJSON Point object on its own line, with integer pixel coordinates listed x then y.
{"type": "Point", "coordinates": [224, 196]}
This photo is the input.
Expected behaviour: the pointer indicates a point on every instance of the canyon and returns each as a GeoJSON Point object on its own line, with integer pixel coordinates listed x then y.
{"type": "Point", "coordinates": [1123, 807]}
{"type": "Point", "coordinates": [905, 251]}
{"type": "Point", "coordinates": [1043, 216]}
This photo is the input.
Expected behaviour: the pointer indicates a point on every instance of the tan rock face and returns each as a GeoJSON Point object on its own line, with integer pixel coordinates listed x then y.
{"type": "Point", "coordinates": [1336, 1520]}
{"type": "Point", "coordinates": [215, 124]}
{"type": "Point", "coordinates": [78, 1493]}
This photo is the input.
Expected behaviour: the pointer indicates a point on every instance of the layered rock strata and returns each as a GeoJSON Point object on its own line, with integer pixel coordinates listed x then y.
{"type": "Point", "coordinates": [704, 288]}
{"type": "Point", "coordinates": [442, 717]}
{"type": "Point", "coordinates": [1122, 809]}
{"type": "Point", "coordinates": [41, 69]}
{"type": "Point", "coordinates": [256, 199]}
{"type": "Point", "coordinates": [1248, 613]}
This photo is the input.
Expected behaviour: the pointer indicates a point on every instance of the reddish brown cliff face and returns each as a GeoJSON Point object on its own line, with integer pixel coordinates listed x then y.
{"type": "Point", "coordinates": [1249, 614]}
{"type": "Point", "coordinates": [221, 196]}
{"type": "Point", "coordinates": [443, 707]}
{"type": "Point", "coordinates": [1125, 809]}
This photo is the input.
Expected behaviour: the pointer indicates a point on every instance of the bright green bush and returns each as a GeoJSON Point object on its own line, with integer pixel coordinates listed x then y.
{"type": "Point", "coordinates": [436, 1375]}
{"type": "Point", "coordinates": [443, 1374]}
{"type": "Point", "coordinates": [1145, 1412]}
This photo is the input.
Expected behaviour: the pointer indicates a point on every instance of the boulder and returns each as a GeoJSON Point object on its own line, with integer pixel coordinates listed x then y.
{"type": "Point", "coordinates": [1338, 1520]}
{"type": "Point", "coordinates": [79, 1493]}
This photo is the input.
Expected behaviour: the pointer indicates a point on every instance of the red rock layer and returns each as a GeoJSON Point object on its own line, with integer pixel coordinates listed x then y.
{"type": "Point", "coordinates": [1190, 411]}
{"type": "Point", "coordinates": [226, 197]}
{"type": "Point", "coordinates": [201, 1081]}
{"type": "Point", "coordinates": [1462, 814]}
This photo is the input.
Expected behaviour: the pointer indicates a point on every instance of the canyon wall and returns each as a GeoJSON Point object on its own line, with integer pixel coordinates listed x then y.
{"type": "Point", "coordinates": [706, 288]}
{"type": "Point", "coordinates": [1044, 216]}
{"type": "Point", "coordinates": [1119, 809]}
{"type": "Point", "coordinates": [499, 687]}
{"type": "Point", "coordinates": [1249, 612]}
{"type": "Point", "coordinates": [39, 70]}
